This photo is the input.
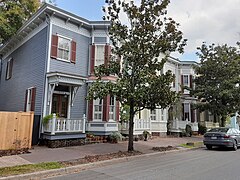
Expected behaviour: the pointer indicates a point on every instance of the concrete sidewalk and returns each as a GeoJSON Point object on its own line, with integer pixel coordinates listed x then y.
{"type": "Point", "coordinates": [43, 154]}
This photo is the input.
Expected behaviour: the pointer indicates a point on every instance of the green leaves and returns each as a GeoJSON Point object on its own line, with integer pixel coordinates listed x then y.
{"type": "Point", "coordinates": [149, 34]}
{"type": "Point", "coordinates": [13, 13]}
{"type": "Point", "coordinates": [218, 79]}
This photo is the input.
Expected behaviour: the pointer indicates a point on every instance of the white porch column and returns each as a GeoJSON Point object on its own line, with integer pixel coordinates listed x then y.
{"type": "Point", "coordinates": [50, 94]}
{"type": "Point", "coordinates": [53, 124]}
{"type": "Point", "coordinates": [84, 123]}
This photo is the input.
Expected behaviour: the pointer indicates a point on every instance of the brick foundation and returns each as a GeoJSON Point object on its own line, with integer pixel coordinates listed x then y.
{"type": "Point", "coordinates": [64, 143]}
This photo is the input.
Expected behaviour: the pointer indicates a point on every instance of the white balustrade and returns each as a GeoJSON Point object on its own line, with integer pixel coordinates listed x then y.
{"type": "Point", "coordinates": [139, 124]}
{"type": "Point", "coordinates": [178, 124]}
{"type": "Point", "coordinates": [210, 124]}
{"type": "Point", "coordinates": [61, 125]}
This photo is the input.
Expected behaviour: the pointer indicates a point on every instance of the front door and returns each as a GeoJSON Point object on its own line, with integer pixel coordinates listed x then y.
{"type": "Point", "coordinates": [60, 105]}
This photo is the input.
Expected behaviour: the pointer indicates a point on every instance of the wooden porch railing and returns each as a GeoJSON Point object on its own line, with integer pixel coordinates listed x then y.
{"type": "Point", "coordinates": [61, 125]}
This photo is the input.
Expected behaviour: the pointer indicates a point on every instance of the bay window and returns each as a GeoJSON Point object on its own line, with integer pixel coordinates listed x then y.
{"type": "Point", "coordinates": [98, 109]}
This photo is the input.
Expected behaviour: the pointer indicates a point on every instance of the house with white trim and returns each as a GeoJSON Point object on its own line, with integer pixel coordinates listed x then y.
{"type": "Point", "coordinates": [47, 67]}
{"type": "Point", "coordinates": [172, 120]}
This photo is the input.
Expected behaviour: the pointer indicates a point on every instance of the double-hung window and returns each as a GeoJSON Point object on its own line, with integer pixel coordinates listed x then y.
{"type": "Point", "coordinates": [30, 99]}
{"type": "Point", "coordinates": [185, 80]}
{"type": "Point", "coordinates": [186, 111]}
{"type": "Point", "coordinates": [63, 48]}
{"type": "Point", "coordinates": [98, 109]}
{"type": "Point", "coordinates": [99, 55]}
{"type": "Point", "coordinates": [9, 68]}
{"type": "Point", "coordinates": [112, 108]}
{"type": "Point", "coordinates": [153, 115]}
{"type": "Point", "coordinates": [162, 114]}
{"type": "Point", "coordinates": [64, 45]}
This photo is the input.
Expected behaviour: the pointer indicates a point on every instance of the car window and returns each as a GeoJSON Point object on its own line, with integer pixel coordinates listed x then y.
{"type": "Point", "coordinates": [219, 130]}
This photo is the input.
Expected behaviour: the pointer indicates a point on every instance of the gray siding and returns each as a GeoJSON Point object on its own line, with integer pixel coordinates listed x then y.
{"type": "Point", "coordinates": [82, 54]}
{"type": "Point", "coordinates": [100, 40]}
{"type": "Point", "coordinates": [79, 105]}
{"type": "Point", "coordinates": [28, 71]}
{"type": "Point", "coordinates": [79, 68]}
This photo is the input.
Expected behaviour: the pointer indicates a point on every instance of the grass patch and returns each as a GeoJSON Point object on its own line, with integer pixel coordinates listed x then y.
{"type": "Point", "coordinates": [23, 169]}
{"type": "Point", "coordinates": [192, 145]}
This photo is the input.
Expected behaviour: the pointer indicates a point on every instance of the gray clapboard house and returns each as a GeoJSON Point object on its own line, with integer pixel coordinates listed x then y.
{"type": "Point", "coordinates": [47, 68]}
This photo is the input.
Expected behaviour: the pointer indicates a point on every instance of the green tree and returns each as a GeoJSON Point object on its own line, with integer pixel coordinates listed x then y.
{"type": "Point", "coordinates": [124, 113]}
{"type": "Point", "coordinates": [149, 35]}
{"type": "Point", "coordinates": [13, 13]}
{"type": "Point", "coordinates": [217, 80]}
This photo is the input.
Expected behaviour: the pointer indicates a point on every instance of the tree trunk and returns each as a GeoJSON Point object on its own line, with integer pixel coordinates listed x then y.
{"type": "Point", "coordinates": [223, 120]}
{"type": "Point", "coordinates": [130, 132]}
{"type": "Point", "coordinates": [215, 118]}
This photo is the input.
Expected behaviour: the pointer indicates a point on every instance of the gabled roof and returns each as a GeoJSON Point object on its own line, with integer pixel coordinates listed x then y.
{"type": "Point", "coordinates": [40, 16]}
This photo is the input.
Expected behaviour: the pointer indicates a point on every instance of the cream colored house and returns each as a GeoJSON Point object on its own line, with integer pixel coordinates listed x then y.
{"type": "Point", "coordinates": [173, 119]}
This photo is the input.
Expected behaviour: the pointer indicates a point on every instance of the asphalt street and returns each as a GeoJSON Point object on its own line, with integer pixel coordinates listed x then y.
{"type": "Point", "coordinates": [201, 164]}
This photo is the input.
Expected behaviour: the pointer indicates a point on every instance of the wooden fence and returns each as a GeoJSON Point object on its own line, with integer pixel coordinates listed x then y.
{"type": "Point", "coordinates": [16, 130]}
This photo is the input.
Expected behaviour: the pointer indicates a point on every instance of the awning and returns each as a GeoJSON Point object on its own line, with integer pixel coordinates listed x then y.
{"type": "Point", "coordinates": [56, 78]}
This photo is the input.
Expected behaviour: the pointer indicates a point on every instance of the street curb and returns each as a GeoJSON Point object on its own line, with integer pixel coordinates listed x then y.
{"type": "Point", "coordinates": [81, 167]}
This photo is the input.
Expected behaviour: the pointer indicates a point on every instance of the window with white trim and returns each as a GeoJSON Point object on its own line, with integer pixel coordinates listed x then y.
{"type": "Point", "coordinates": [112, 108]}
{"type": "Point", "coordinates": [153, 115]}
{"type": "Point", "coordinates": [185, 80]}
{"type": "Point", "coordinates": [30, 99]}
{"type": "Point", "coordinates": [186, 111]}
{"type": "Point", "coordinates": [98, 109]}
{"type": "Point", "coordinates": [162, 114]}
{"type": "Point", "coordinates": [99, 55]}
{"type": "Point", "coordinates": [64, 50]}
{"type": "Point", "coordinates": [9, 68]}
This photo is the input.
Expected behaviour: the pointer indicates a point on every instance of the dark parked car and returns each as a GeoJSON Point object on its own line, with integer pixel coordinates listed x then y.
{"type": "Point", "coordinates": [226, 137]}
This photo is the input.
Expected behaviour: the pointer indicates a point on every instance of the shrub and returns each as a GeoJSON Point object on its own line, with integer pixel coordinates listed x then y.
{"type": "Point", "coordinates": [188, 130]}
{"type": "Point", "coordinates": [202, 129]}
{"type": "Point", "coordinates": [114, 137]}
{"type": "Point", "coordinates": [47, 118]}
{"type": "Point", "coordinates": [145, 135]}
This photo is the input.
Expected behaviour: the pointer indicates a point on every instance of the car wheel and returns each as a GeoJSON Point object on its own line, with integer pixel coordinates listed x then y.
{"type": "Point", "coordinates": [209, 147]}
{"type": "Point", "coordinates": [235, 145]}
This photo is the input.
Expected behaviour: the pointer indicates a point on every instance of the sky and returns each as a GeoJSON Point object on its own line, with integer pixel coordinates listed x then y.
{"type": "Point", "coordinates": [210, 21]}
